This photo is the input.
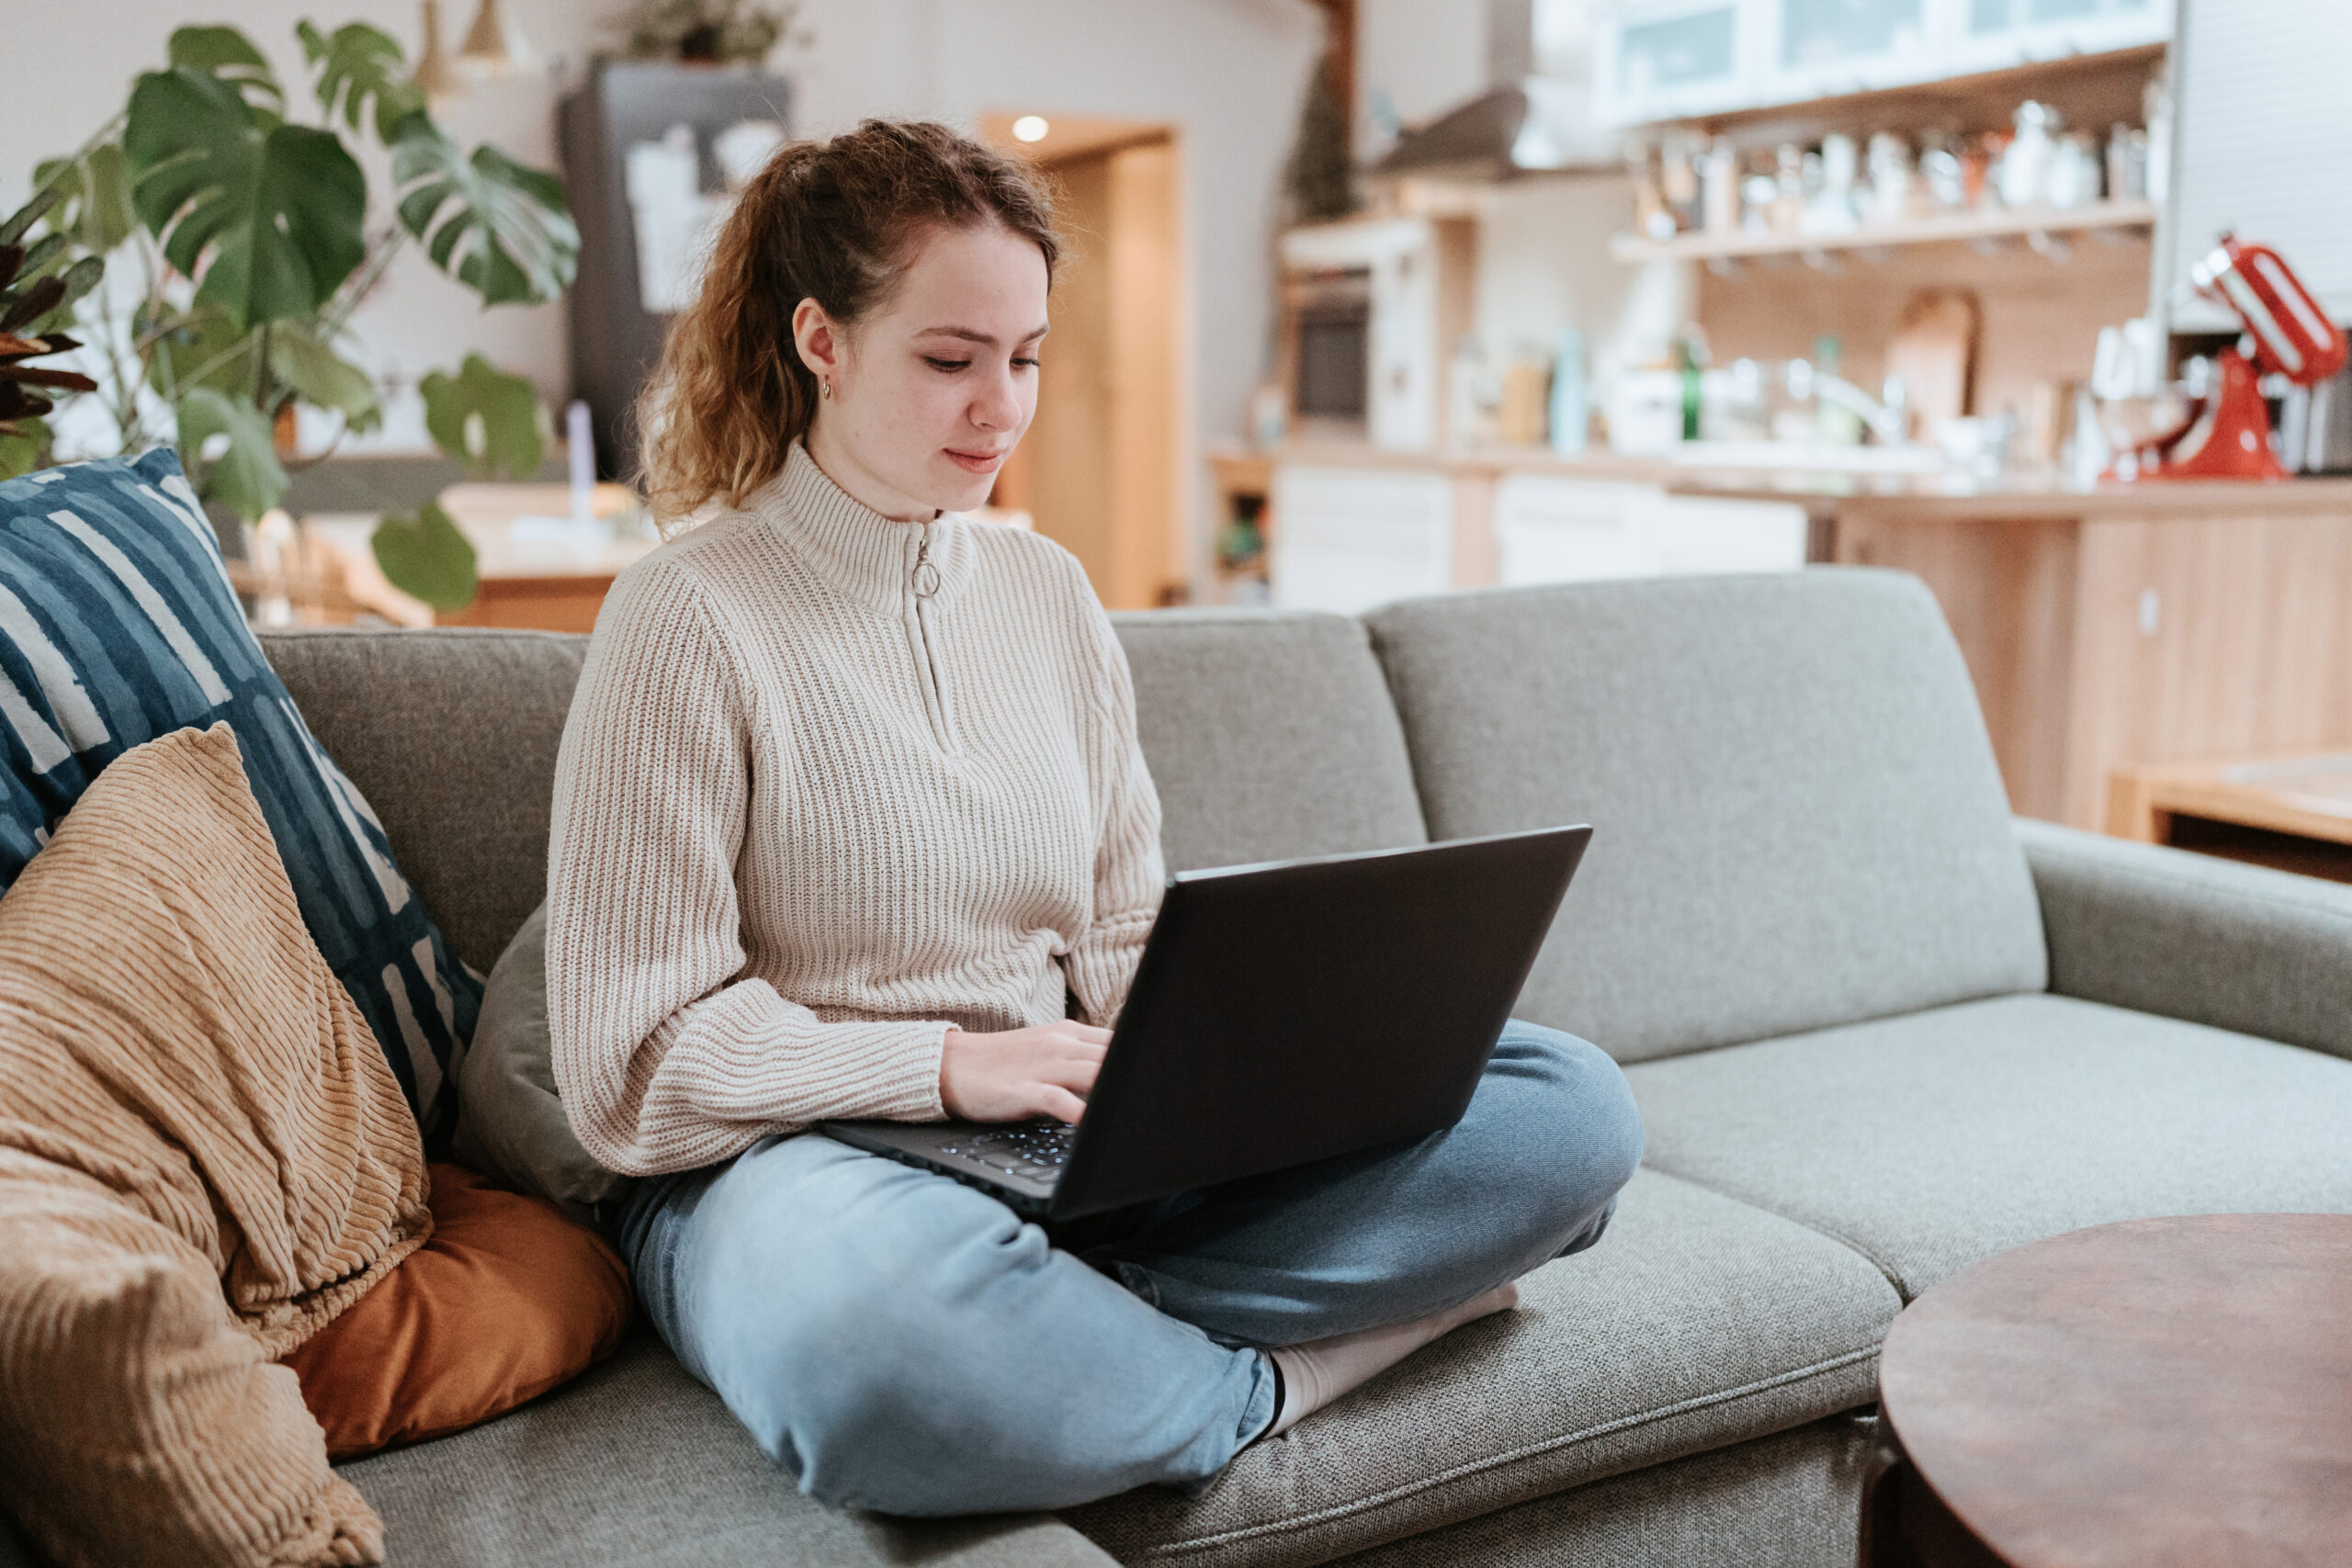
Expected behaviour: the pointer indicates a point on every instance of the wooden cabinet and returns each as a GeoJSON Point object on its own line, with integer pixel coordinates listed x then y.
{"type": "Point", "coordinates": [1349, 527]}
{"type": "Point", "coordinates": [2168, 623]}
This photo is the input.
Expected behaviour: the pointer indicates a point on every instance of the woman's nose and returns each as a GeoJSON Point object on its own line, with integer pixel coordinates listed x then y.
{"type": "Point", "coordinates": [998, 407]}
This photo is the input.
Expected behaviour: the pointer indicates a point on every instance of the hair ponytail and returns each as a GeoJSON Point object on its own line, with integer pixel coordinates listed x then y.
{"type": "Point", "coordinates": [830, 221]}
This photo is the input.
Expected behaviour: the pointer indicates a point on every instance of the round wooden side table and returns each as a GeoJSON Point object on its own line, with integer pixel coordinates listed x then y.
{"type": "Point", "coordinates": [2157, 1394]}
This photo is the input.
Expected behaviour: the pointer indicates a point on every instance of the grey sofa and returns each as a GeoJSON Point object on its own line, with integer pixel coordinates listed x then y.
{"type": "Point", "coordinates": [1878, 1030]}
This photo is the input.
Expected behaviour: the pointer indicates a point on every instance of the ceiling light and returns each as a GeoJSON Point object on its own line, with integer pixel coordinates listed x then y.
{"type": "Point", "coordinates": [493, 47]}
{"type": "Point", "coordinates": [1031, 128]}
{"type": "Point", "coordinates": [434, 75]}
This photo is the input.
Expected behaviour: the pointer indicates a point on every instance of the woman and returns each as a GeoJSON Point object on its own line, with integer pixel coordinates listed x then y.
{"type": "Point", "coordinates": [850, 814]}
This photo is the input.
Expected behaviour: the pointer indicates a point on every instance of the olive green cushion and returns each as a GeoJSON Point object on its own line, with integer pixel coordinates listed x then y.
{"type": "Point", "coordinates": [510, 1125]}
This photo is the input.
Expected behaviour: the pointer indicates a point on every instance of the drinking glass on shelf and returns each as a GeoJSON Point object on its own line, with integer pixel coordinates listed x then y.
{"type": "Point", "coordinates": [1890, 179]}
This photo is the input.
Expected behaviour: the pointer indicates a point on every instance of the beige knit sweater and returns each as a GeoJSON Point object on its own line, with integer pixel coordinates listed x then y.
{"type": "Point", "coordinates": [809, 815]}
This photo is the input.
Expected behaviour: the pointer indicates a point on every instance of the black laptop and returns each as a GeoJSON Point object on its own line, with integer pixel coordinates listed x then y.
{"type": "Point", "coordinates": [1281, 1013]}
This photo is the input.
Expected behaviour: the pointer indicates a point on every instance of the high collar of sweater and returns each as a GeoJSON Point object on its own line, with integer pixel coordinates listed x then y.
{"type": "Point", "coordinates": [868, 558]}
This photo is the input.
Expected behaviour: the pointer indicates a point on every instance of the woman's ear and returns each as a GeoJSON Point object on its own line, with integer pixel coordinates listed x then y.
{"type": "Point", "coordinates": [818, 340]}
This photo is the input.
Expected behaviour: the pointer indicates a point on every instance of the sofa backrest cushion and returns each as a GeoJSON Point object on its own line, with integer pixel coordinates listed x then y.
{"type": "Point", "coordinates": [451, 734]}
{"type": "Point", "coordinates": [1269, 734]}
{"type": "Point", "coordinates": [117, 625]}
{"type": "Point", "coordinates": [1797, 817]}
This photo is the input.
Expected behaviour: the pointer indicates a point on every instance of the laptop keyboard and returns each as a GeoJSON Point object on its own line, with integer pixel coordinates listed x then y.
{"type": "Point", "coordinates": [1036, 1150]}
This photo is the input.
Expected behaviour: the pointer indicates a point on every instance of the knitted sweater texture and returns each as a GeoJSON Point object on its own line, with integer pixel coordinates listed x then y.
{"type": "Point", "coordinates": [831, 783]}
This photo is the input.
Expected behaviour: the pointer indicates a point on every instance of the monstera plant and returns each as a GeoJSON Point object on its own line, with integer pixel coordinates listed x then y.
{"type": "Point", "coordinates": [238, 239]}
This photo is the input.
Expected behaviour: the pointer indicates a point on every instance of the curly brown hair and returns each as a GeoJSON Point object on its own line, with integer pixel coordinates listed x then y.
{"type": "Point", "coordinates": [833, 222]}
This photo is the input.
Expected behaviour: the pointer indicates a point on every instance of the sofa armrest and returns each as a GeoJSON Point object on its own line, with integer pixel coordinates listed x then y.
{"type": "Point", "coordinates": [2192, 937]}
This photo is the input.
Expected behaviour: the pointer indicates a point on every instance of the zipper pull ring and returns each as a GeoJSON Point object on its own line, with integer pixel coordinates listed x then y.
{"type": "Point", "coordinates": [925, 576]}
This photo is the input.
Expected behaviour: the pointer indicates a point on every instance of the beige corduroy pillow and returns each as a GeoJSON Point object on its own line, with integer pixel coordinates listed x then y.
{"type": "Point", "coordinates": [203, 1159]}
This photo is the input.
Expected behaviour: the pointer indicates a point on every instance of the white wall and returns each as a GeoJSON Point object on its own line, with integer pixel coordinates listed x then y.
{"type": "Point", "coordinates": [1543, 265]}
{"type": "Point", "coordinates": [1229, 72]}
{"type": "Point", "coordinates": [1424, 56]}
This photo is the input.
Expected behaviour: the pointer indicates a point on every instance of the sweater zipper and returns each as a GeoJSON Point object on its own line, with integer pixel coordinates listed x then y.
{"type": "Point", "coordinates": [922, 583]}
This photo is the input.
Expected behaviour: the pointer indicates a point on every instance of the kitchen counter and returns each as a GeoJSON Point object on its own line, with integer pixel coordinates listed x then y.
{"type": "Point", "coordinates": [1712, 469]}
{"type": "Point", "coordinates": [2105, 627]}
{"type": "Point", "coordinates": [538, 567]}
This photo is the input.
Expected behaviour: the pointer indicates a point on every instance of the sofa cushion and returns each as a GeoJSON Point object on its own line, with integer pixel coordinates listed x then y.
{"type": "Point", "coordinates": [506, 1300]}
{"type": "Point", "coordinates": [1695, 1322]}
{"type": "Point", "coordinates": [203, 1158]}
{"type": "Point", "coordinates": [1797, 819]}
{"type": "Point", "coordinates": [510, 1121]}
{"type": "Point", "coordinates": [1268, 735]}
{"type": "Point", "coordinates": [169, 1035]}
{"type": "Point", "coordinates": [117, 625]}
{"type": "Point", "coordinates": [137, 1422]}
{"type": "Point", "coordinates": [452, 733]}
{"type": "Point", "coordinates": [1792, 1500]}
{"type": "Point", "coordinates": [638, 1464]}
{"type": "Point", "coordinates": [1932, 1141]}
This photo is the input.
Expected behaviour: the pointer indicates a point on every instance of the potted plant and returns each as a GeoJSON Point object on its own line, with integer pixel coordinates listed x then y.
{"type": "Point", "coordinates": [39, 286]}
{"type": "Point", "coordinates": [237, 239]}
{"type": "Point", "coordinates": [705, 32]}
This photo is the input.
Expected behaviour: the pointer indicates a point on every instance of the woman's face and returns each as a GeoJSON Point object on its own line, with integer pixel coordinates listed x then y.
{"type": "Point", "coordinates": [931, 390]}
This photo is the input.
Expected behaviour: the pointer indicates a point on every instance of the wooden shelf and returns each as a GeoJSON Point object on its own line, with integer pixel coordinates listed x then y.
{"type": "Point", "coordinates": [2091, 90]}
{"type": "Point", "coordinates": [2025, 223]}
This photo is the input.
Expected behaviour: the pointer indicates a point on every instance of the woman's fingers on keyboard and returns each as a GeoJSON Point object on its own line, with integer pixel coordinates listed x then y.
{"type": "Point", "coordinates": [1062, 1104]}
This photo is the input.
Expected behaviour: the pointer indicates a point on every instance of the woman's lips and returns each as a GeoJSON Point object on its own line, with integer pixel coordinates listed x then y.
{"type": "Point", "coordinates": [976, 462]}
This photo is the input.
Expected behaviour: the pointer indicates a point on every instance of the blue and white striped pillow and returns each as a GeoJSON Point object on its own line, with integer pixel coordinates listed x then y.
{"type": "Point", "coordinates": [117, 626]}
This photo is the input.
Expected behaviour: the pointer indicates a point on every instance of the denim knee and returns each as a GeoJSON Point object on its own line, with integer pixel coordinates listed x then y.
{"type": "Point", "coordinates": [863, 1397]}
{"type": "Point", "coordinates": [837, 1389]}
{"type": "Point", "coordinates": [1582, 1134]}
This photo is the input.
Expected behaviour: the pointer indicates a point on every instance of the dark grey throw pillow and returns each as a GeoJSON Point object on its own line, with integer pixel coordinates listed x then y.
{"type": "Point", "coordinates": [511, 1127]}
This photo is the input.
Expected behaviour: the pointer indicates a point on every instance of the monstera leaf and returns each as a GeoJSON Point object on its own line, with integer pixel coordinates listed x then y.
{"type": "Point", "coordinates": [207, 349]}
{"type": "Point", "coordinates": [267, 218]}
{"type": "Point", "coordinates": [313, 371]}
{"type": "Point", "coordinates": [94, 210]}
{"type": "Point", "coordinates": [359, 66]}
{"type": "Point", "coordinates": [501, 228]}
{"type": "Point", "coordinates": [245, 476]}
{"type": "Point", "coordinates": [426, 557]}
{"type": "Point", "coordinates": [204, 348]}
{"type": "Point", "coordinates": [230, 55]}
{"type": "Point", "coordinates": [486, 419]}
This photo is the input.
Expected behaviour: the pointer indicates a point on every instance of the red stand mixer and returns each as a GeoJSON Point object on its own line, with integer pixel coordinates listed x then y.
{"type": "Point", "coordinates": [2225, 434]}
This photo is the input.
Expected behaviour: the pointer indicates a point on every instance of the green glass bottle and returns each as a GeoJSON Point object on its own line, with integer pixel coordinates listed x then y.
{"type": "Point", "coordinates": [1689, 353]}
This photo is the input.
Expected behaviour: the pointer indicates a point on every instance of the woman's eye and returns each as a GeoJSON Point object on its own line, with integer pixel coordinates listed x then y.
{"type": "Point", "coordinates": [1024, 364]}
{"type": "Point", "coordinates": [950, 365]}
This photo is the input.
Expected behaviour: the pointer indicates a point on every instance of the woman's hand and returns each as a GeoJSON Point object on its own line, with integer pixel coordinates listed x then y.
{"type": "Point", "coordinates": [1049, 1070]}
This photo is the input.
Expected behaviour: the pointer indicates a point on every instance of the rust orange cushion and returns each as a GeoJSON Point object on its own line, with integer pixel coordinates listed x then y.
{"type": "Point", "coordinates": [508, 1299]}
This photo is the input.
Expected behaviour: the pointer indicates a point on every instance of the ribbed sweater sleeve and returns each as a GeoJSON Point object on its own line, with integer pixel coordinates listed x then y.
{"type": "Point", "coordinates": [1128, 867]}
{"type": "Point", "coordinates": [666, 1056]}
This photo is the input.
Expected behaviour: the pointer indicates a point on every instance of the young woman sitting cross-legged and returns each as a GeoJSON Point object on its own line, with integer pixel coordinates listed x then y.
{"type": "Point", "coordinates": [850, 817]}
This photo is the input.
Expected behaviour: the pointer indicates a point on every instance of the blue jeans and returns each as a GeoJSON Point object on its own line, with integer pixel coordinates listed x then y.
{"type": "Point", "coordinates": [903, 1343]}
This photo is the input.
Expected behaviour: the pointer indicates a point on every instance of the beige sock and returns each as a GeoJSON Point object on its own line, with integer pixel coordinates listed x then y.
{"type": "Point", "coordinates": [1316, 1374]}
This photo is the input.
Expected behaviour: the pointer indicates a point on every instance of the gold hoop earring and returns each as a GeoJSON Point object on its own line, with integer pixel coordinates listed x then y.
{"type": "Point", "coordinates": [825, 390]}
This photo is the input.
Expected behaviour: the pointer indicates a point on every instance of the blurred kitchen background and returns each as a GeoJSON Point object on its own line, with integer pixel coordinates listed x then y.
{"type": "Point", "coordinates": [1375, 297]}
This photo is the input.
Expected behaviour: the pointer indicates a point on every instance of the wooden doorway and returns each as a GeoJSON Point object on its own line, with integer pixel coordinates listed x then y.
{"type": "Point", "coordinates": [1103, 470]}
